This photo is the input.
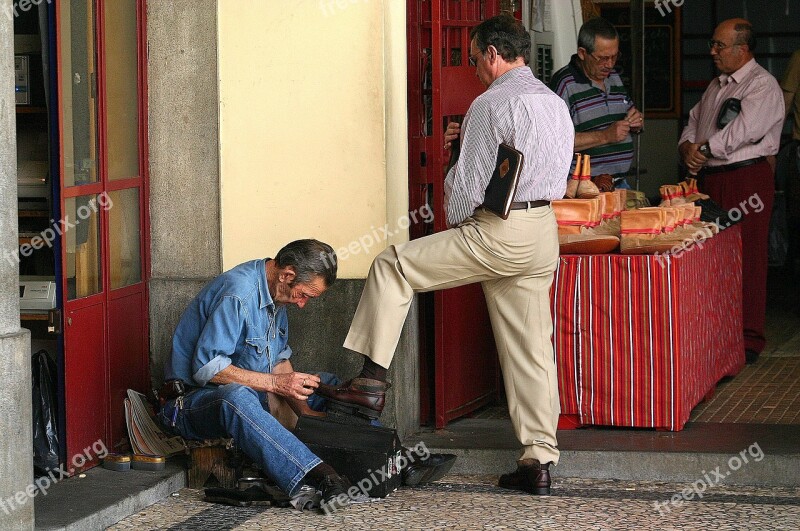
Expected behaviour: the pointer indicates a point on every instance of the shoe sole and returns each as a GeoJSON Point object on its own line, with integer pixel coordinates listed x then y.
{"type": "Point", "coordinates": [415, 477]}
{"type": "Point", "coordinates": [537, 491]}
{"type": "Point", "coordinates": [439, 471]}
{"type": "Point", "coordinates": [336, 504]}
{"type": "Point", "coordinates": [352, 409]}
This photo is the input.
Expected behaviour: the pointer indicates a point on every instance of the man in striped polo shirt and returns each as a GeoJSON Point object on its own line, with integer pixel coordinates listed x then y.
{"type": "Point", "coordinates": [599, 105]}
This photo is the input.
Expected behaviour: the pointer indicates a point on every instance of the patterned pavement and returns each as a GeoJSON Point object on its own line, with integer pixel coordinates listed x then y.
{"type": "Point", "coordinates": [474, 502]}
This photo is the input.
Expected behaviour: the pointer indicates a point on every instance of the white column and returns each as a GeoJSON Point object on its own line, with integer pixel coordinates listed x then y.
{"type": "Point", "coordinates": [16, 449]}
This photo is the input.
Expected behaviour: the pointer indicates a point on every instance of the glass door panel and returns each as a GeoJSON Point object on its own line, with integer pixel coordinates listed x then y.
{"type": "Point", "coordinates": [83, 251]}
{"type": "Point", "coordinates": [122, 89]}
{"type": "Point", "coordinates": [78, 92]}
{"type": "Point", "coordinates": [125, 260]}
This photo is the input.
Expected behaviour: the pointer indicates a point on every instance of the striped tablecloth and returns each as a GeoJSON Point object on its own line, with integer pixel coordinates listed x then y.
{"type": "Point", "coordinates": [640, 340]}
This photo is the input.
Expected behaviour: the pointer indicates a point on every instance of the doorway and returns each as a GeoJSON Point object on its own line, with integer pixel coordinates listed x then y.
{"type": "Point", "coordinates": [95, 217]}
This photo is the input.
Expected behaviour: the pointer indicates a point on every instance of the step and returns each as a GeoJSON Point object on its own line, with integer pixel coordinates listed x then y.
{"type": "Point", "coordinates": [745, 454]}
{"type": "Point", "coordinates": [104, 497]}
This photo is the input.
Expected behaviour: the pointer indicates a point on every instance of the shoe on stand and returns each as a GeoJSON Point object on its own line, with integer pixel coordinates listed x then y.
{"type": "Point", "coordinates": [359, 396]}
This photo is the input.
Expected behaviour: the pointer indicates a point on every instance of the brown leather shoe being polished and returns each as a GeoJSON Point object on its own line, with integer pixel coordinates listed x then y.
{"type": "Point", "coordinates": [530, 476]}
{"type": "Point", "coordinates": [362, 396]}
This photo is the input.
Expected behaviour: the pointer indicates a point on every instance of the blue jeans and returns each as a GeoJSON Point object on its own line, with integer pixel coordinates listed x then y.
{"type": "Point", "coordinates": [239, 412]}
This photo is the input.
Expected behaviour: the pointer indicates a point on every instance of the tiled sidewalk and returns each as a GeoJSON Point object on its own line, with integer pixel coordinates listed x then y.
{"type": "Point", "coordinates": [767, 392]}
{"type": "Point", "coordinates": [473, 502]}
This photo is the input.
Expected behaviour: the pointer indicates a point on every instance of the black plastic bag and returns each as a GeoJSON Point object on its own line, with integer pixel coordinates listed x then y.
{"type": "Point", "coordinates": [45, 416]}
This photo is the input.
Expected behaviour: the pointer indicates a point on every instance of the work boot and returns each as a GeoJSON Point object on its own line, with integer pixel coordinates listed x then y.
{"type": "Point", "coordinates": [664, 192]}
{"type": "Point", "coordinates": [573, 214]}
{"type": "Point", "coordinates": [579, 227]}
{"type": "Point", "coordinates": [587, 244]}
{"type": "Point", "coordinates": [574, 179]}
{"type": "Point", "coordinates": [530, 476]}
{"type": "Point", "coordinates": [586, 188]}
{"type": "Point", "coordinates": [609, 225]}
{"type": "Point", "coordinates": [694, 194]}
{"type": "Point", "coordinates": [360, 396]}
{"type": "Point", "coordinates": [641, 232]}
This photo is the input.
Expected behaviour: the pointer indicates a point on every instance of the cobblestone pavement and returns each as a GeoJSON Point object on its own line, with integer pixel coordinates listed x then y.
{"type": "Point", "coordinates": [474, 502]}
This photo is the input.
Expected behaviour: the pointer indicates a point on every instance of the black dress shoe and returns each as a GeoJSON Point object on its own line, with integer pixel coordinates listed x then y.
{"type": "Point", "coordinates": [420, 471]}
{"type": "Point", "coordinates": [750, 356]}
{"type": "Point", "coordinates": [530, 476]}
{"type": "Point", "coordinates": [334, 494]}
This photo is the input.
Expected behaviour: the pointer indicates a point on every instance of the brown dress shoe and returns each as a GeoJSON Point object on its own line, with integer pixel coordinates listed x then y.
{"type": "Point", "coordinates": [362, 396]}
{"type": "Point", "coordinates": [530, 476]}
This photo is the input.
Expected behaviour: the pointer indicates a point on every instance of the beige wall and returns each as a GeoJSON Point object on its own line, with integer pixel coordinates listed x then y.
{"type": "Point", "coordinates": [312, 125]}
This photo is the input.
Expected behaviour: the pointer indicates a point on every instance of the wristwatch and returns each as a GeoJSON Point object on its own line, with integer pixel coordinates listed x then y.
{"type": "Point", "coordinates": [705, 149]}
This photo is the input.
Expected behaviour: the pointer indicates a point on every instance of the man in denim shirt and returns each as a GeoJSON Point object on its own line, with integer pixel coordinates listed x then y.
{"type": "Point", "coordinates": [230, 349]}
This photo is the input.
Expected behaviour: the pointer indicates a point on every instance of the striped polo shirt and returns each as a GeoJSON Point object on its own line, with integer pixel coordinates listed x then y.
{"type": "Point", "coordinates": [593, 109]}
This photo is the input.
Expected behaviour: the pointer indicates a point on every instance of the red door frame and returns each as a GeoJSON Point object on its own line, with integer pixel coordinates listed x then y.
{"type": "Point", "coordinates": [103, 409]}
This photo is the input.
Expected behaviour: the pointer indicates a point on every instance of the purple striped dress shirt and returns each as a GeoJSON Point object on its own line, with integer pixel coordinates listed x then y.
{"type": "Point", "coordinates": [519, 110]}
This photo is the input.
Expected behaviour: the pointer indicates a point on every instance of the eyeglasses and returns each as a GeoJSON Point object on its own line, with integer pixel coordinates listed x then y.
{"type": "Point", "coordinates": [719, 45]}
{"type": "Point", "coordinates": [473, 59]}
{"type": "Point", "coordinates": [607, 58]}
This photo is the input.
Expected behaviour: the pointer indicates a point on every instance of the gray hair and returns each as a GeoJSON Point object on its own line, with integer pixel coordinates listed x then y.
{"type": "Point", "coordinates": [593, 28]}
{"type": "Point", "coordinates": [309, 259]}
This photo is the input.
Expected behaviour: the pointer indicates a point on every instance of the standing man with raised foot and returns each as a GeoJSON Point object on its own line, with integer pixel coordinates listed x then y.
{"type": "Point", "coordinates": [513, 259]}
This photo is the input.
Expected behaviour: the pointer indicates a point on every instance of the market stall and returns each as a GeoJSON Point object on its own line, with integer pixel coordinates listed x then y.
{"type": "Point", "coordinates": [640, 340]}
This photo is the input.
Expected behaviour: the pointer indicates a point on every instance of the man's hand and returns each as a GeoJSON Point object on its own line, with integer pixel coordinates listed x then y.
{"type": "Point", "coordinates": [452, 133]}
{"type": "Point", "coordinates": [617, 132]}
{"type": "Point", "coordinates": [692, 158]}
{"type": "Point", "coordinates": [635, 119]}
{"type": "Point", "coordinates": [297, 385]}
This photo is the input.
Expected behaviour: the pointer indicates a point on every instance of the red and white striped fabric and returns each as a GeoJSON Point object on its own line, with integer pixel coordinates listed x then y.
{"type": "Point", "coordinates": [640, 340]}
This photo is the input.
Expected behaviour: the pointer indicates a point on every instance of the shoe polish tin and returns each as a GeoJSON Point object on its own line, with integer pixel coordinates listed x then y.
{"type": "Point", "coordinates": [148, 462]}
{"type": "Point", "coordinates": [117, 462]}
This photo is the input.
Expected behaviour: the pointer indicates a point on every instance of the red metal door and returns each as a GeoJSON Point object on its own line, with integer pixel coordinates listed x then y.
{"type": "Point", "coordinates": [459, 359]}
{"type": "Point", "coordinates": [103, 220]}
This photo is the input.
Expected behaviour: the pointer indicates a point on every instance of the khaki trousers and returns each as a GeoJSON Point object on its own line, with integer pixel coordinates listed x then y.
{"type": "Point", "coordinates": [514, 260]}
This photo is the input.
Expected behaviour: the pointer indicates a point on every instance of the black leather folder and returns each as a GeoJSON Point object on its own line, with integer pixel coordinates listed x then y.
{"type": "Point", "coordinates": [503, 184]}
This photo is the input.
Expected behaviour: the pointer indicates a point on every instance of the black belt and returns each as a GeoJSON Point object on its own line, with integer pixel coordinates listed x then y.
{"type": "Point", "coordinates": [733, 165]}
{"type": "Point", "coordinates": [525, 205]}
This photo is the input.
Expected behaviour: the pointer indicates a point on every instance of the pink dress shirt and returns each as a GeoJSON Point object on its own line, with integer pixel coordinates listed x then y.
{"type": "Point", "coordinates": [761, 116]}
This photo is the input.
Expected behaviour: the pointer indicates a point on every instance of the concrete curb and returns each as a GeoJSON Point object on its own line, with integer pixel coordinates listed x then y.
{"type": "Point", "coordinates": [104, 497]}
{"type": "Point", "coordinates": [674, 467]}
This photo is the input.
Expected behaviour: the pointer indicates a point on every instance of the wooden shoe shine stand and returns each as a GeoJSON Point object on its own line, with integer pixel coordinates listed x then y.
{"type": "Point", "coordinates": [214, 464]}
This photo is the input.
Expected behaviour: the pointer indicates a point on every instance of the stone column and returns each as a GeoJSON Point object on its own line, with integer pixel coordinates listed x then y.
{"type": "Point", "coordinates": [16, 449]}
{"type": "Point", "coordinates": [185, 243]}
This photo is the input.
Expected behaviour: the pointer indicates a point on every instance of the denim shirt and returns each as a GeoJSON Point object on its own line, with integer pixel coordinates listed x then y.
{"type": "Point", "coordinates": [232, 321]}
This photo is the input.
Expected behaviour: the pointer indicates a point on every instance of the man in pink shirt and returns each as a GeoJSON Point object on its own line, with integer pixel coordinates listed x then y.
{"type": "Point", "coordinates": [729, 142]}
